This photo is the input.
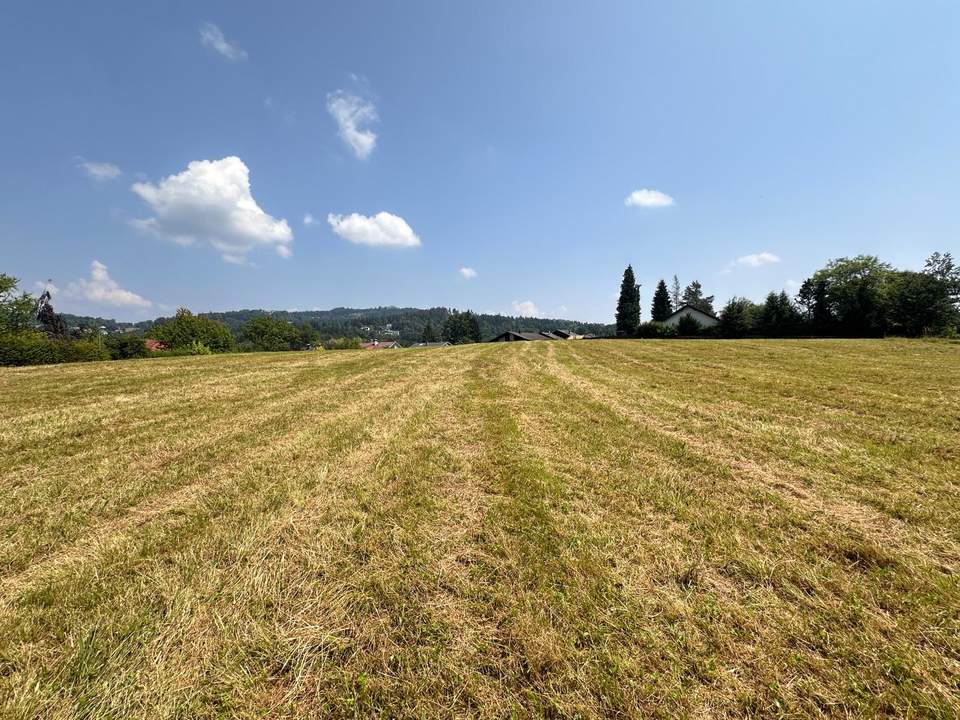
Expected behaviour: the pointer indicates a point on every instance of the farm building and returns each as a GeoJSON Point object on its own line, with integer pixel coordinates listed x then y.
{"type": "Point", "coordinates": [377, 345]}
{"type": "Point", "coordinates": [512, 336]}
{"type": "Point", "coordinates": [705, 319]}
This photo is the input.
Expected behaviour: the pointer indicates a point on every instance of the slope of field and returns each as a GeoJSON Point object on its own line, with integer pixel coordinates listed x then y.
{"type": "Point", "coordinates": [595, 529]}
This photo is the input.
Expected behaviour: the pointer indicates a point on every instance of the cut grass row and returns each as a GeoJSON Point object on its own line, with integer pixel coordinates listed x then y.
{"type": "Point", "coordinates": [595, 529]}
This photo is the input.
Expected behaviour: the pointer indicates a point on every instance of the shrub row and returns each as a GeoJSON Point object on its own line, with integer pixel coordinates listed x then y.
{"type": "Point", "coordinates": [36, 349]}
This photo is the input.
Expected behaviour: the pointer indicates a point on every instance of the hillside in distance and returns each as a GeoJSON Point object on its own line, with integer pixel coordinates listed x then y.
{"type": "Point", "coordinates": [367, 322]}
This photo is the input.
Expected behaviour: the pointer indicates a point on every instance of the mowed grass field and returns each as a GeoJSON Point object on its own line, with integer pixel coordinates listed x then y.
{"type": "Point", "coordinates": [552, 529]}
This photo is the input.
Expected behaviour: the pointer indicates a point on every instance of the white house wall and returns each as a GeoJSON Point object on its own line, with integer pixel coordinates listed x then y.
{"type": "Point", "coordinates": [702, 318]}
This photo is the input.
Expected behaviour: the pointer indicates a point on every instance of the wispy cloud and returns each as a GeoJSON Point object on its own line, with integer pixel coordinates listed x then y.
{"type": "Point", "coordinates": [468, 273]}
{"type": "Point", "coordinates": [381, 230]}
{"type": "Point", "coordinates": [525, 308]}
{"type": "Point", "coordinates": [211, 36]}
{"type": "Point", "coordinates": [101, 289]}
{"type": "Point", "coordinates": [210, 202]}
{"type": "Point", "coordinates": [99, 171]}
{"type": "Point", "coordinates": [648, 199]}
{"type": "Point", "coordinates": [309, 219]}
{"type": "Point", "coordinates": [353, 114]}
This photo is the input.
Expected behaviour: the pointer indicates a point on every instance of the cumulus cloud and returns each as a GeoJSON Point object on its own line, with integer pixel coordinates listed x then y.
{"type": "Point", "coordinates": [309, 219]}
{"type": "Point", "coordinates": [525, 308]}
{"type": "Point", "coordinates": [648, 199]}
{"type": "Point", "coordinates": [211, 36]}
{"type": "Point", "coordinates": [102, 289]}
{"type": "Point", "coordinates": [468, 272]}
{"type": "Point", "coordinates": [100, 170]}
{"type": "Point", "coordinates": [754, 260]}
{"type": "Point", "coordinates": [380, 230]}
{"type": "Point", "coordinates": [210, 202]}
{"type": "Point", "coordinates": [353, 114]}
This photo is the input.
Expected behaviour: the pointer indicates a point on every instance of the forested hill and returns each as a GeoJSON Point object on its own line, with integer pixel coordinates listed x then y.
{"type": "Point", "coordinates": [369, 322]}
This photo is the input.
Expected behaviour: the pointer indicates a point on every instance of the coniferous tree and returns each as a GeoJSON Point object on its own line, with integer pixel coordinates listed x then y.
{"type": "Point", "coordinates": [461, 327]}
{"type": "Point", "coordinates": [429, 334]}
{"type": "Point", "coordinates": [628, 306]}
{"type": "Point", "coordinates": [694, 297]}
{"type": "Point", "coordinates": [778, 316]}
{"type": "Point", "coordinates": [675, 293]}
{"type": "Point", "coordinates": [736, 319]}
{"type": "Point", "coordinates": [662, 307]}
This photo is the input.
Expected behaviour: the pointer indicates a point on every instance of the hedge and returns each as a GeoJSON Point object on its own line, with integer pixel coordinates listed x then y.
{"type": "Point", "coordinates": [35, 349]}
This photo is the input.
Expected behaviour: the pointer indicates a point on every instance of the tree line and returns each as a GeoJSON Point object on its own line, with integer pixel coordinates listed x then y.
{"type": "Point", "coordinates": [848, 297]}
{"type": "Point", "coordinates": [33, 333]}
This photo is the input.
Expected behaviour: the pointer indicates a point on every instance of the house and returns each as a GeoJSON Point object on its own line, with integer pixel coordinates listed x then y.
{"type": "Point", "coordinates": [377, 345]}
{"type": "Point", "coordinates": [154, 345]}
{"type": "Point", "coordinates": [705, 319]}
{"type": "Point", "coordinates": [443, 343]}
{"type": "Point", "coordinates": [513, 336]}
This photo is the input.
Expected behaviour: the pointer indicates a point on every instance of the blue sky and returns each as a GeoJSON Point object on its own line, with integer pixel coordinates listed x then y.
{"type": "Point", "coordinates": [504, 137]}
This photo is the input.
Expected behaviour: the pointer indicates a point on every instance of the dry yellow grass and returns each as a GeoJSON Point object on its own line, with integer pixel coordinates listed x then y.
{"type": "Point", "coordinates": [579, 529]}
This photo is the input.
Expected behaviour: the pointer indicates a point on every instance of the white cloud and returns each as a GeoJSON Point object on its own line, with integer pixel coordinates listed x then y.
{"type": "Point", "coordinates": [100, 170]}
{"type": "Point", "coordinates": [562, 308]}
{"type": "Point", "coordinates": [526, 308]}
{"type": "Point", "coordinates": [210, 202]}
{"type": "Point", "coordinates": [468, 273]}
{"type": "Point", "coordinates": [103, 290]}
{"type": "Point", "coordinates": [754, 260]}
{"type": "Point", "coordinates": [353, 114]}
{"type": "Point", "coordinates": [757, 259]}
{"type": "Point", "coordinates": [381, 230]}
{"type": "Point", "coordinates": [211, 36]}
{"type": "Point", "coordinates": [648, 199]}
{"type": "Point", "coordinates": [309, 219]}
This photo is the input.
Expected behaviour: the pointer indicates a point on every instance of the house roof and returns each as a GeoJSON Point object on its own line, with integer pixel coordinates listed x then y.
{"type": "Point", "coordinates": [388, 345]}
{"type": "Point", "coordinates": [542, 335]}
{"type": "Point", "coordinates": [692, 307]}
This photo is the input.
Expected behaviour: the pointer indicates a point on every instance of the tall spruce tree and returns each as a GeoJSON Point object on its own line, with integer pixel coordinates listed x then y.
{"type": "Point", "coordinates": [662, 307]}
{"type": "Point", "coordinates": [675, 293]}
{"type": "Point", "coordinates": [628, 306]}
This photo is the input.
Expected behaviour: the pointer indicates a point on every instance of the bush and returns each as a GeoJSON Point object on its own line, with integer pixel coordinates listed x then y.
{"type": "Point", "coordinates": [343, 343]}
{"type": "Point", "coordinates": [654, 330]}
{"type": "Point", "coordinates": [688, 325]}
{"type": "Point", "coordinates": [36, 349]}
{"type": "Point", "coordinates": [125, 347]}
